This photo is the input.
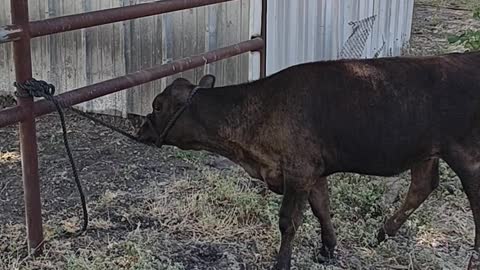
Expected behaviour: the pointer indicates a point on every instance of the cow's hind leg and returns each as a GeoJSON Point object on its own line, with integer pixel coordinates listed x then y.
{"type": "Point", "coordinates": [465, 162]}
{"type": "Point", "coordinates": [320, 204]}
{"type": "Point", "coordinates": [424, 179]}
{"type": "Point", "coordinates": [290, 219]}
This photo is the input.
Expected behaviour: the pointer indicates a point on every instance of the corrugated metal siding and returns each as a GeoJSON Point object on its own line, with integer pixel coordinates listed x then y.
{"type": "Point", "coordinates": [74, 59]}
{"type": "Point", "coordinates": [311, 30]}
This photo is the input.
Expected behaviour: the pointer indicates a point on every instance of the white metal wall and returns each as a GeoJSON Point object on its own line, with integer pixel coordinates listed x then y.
{"type": "Point", "coordinates": [310, 30]}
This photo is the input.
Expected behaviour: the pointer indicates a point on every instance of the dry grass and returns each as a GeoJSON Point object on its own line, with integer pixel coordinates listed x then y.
{"type": "Point", "coordinates": [220, 219]}
{"type": "Point", "coordinates": [436, 20]}
{"type": "Point", "coordinates": [463, 4]}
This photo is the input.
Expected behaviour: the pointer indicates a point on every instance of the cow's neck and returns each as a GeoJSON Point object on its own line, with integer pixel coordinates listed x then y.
{"type": "Point", "coordinates": [222, 120]}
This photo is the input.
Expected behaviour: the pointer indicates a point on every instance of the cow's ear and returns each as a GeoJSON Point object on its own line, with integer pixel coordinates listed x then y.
{"type": "Point", "coordinates": [179, 89]}
{"type": "Point", "coordinates": [208, 81]}
{"type": "Point", "coordinates": [181, 82]}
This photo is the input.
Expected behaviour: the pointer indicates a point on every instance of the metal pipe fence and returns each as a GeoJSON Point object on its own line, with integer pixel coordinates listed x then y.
{"type": "Point", "coordinates": [20, 34]}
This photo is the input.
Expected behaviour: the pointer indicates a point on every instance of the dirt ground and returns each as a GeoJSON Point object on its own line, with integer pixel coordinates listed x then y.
{"type": "Point", "coordinates": [170, 209]}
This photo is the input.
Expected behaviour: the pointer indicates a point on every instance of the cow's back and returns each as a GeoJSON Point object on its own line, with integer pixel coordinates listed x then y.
{"type": "Point", "coordinates": [377, 115]}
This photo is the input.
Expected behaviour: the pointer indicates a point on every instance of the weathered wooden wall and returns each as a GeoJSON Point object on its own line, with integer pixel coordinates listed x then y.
{"type": "Point", "coordinates": [74, 59]}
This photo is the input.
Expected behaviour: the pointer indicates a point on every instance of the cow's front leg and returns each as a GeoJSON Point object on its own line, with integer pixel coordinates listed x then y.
{"type": "Point", "coordinates": [291, 217]}
{"type": "Point", "coordinates": [424, 181]}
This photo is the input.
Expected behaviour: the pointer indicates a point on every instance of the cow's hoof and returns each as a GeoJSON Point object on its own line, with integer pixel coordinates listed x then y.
{"type": "Point", "coordinates": [381, 236]}
{"type": "Point", "coordinates": [325, 256]}
{"type": "Point", "coordinates": [474, 263]}
{"type": "Point", "coordinates": [281, 267]}
{"type": "Point", "coordinates": [282, 264]}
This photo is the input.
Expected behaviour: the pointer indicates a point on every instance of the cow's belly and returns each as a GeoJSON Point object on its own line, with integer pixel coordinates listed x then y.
{"type": "Point", "coordinates": [380, 162]}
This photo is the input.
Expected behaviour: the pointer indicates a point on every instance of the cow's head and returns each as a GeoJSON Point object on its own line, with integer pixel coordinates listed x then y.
{"type": "Point", "coordinates": [165, 106]}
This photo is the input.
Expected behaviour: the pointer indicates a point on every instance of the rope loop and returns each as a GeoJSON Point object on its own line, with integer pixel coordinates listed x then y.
{"type": "Point", "coordinates": [35, 88]}
{"type": "Point", "coordinates": [42, 89]}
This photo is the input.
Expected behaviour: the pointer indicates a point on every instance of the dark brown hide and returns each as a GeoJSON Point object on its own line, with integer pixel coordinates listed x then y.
{"type": "Point", "coordinates": [376, 117]}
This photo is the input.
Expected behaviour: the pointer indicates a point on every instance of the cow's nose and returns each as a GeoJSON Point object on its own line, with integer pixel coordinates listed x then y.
{"type": "Point", "coordinates": [145, 134]}
{"type": "Point", "coordinates": [141, 134]}
{"type": "Point", "coordinates": [136, 120]}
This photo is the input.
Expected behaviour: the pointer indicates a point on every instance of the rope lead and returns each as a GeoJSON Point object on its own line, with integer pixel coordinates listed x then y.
{"type": "Point", "coordinates": [34, 88]}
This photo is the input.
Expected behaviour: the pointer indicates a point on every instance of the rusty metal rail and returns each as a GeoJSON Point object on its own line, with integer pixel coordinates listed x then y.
{"type": "Point", "coordinates": [95, 18]}
{"type": "Point", "coordinates": [20, 33]}
{"type": "Point", "coordinates": [62, 24]}
{"type": "Point", "coordinates": [15, 114]}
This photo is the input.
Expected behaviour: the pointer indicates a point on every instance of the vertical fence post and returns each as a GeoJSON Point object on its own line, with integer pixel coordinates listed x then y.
{"type": "Point", "coordinates": [28, 137]}
{"type": "Point", "coordinates": [263, 52]}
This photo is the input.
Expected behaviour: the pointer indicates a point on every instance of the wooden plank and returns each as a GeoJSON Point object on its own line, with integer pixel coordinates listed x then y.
{"type": "Point", "coordinates": [211, 35]}
{"type": "Point", "coordinates": [105, 59]}
{"type": "Point", "coordinates": [174, 39]}
{"type": "Point", "coordinates": [6, 57]}
{"type": "Point", "coordinates": [60, 58]}
{"type": "Point", "coordinates": [200, 37]}
{"type": "Point", "coordinates": [40, 46]}
{"type": "Point", "coordinates": [189, 44]}
{"type": "Point", "coordinates": [232, 35]}
{"type": "Point", "coordinates": [221, 27]}
{"type": "Point", "coordinates": [144, 49]}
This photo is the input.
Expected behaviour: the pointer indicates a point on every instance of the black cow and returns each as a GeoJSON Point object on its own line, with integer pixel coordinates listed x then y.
{"type": "Point", "coordinates": [296, 127]}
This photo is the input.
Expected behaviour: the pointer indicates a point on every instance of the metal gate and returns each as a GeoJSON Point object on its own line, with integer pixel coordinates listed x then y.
{"type": "Point", "coordinates": [23, 30]}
